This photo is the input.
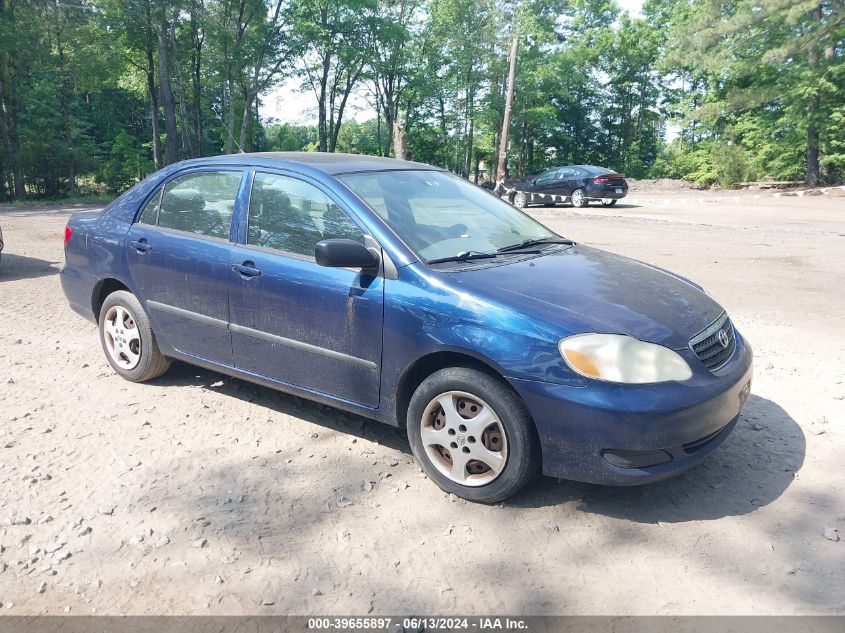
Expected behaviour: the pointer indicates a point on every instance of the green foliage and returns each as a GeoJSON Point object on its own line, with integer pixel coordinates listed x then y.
{"type": "Point", "coordinates": [749, 88]}
{"type": "Point", "coordinates": [127, 163]}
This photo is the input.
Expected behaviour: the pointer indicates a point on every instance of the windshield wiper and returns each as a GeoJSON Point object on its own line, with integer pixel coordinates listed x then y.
{"type": "Point", "coordinates": [535, 242]}
{"type": "Point", "coordinates": [462, 257]}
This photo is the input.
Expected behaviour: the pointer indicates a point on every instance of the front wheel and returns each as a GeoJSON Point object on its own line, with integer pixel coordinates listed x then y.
{"type": "Point", "coordinates": [472, 435]}
{"type": "Point", "coordinates": [579, 198]}
{"type": "Point", "coordinates": [520, 200]}
{"type": "Point", "coordinates": [608, 202]}
{"type": "Point", "coordinates": [128, 340]}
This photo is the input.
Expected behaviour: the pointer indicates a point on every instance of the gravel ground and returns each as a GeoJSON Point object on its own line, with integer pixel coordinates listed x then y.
{"type": "Point", "coordinates": [199, 493]}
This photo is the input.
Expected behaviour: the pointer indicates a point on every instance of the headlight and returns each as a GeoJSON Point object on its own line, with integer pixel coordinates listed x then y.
{"type": "Point", "coordinates": [620, 358]}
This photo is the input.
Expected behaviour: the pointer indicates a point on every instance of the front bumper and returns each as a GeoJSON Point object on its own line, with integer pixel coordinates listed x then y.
{"type": "Point", "coordinates": [687, 421]}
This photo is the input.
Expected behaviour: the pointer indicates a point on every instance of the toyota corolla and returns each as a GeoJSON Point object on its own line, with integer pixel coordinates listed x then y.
{"type": "Point", "coordinates": [400, 292]}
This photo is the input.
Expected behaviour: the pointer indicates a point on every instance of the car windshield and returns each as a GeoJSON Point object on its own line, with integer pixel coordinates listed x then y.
{"type": "Point", "coordinates": [439, 215]}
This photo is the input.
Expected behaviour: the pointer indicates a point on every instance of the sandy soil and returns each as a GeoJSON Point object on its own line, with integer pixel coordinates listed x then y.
{"type": "Point", "coordinates": [198, 493]}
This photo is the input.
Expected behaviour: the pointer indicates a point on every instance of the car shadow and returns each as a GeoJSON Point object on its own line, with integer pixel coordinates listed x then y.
{"type": "Point", "coordinates": [754, 466]}
{"type": "Point", "coordinates": [184, 374]}
{"type": "Point", "coordinates": [566, 205]}
{"type": "Point", "coordinates": [14, 267]}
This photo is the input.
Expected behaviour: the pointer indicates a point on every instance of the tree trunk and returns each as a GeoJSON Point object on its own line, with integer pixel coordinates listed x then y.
{"type": "Point", "coordinates": [813, 175]}
{"type": "Point", "coordinates": [501, 168]}
{"type": "Point", "coordinates": [183, 105]}
{"type": "Point", "coordinates": [322, 132]}
{"type": "Point", "coordinates": [229, 109]}
{"type": "Point", "coordinates": [196, 64]}
{"type": "Point", "coordinates": [245, 120]}
{"type": "Point", "coordinates": [167, 100]}
{"type": "Point", "coordinates": [9, 108]}
{"type": "Point", "coordinates": [399, 145]}
{"type": "Point", "coordinates": [151, 88]}
{"type": "Point", "coordinates": [64, 105]}
{"type": "Point", "coordinates": [469, 127]}
{"type": "Point", "coordinates": [443, 129]}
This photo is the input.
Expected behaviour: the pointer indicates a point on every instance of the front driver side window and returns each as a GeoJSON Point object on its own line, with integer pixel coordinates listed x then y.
{"type": "Point", "coordinates": [547, 177]}
{"type": "Point", "coordinates": [201, 203]}
{"type": "Point", "coordinates": [291, 215]}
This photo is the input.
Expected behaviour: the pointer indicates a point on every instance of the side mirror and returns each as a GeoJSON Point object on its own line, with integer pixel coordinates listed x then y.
{"type": "Point", "coordinates": [344, 254]}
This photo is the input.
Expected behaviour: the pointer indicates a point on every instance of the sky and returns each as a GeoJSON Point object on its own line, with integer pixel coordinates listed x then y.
{"type": "Point", "coordinates": [288, 103]}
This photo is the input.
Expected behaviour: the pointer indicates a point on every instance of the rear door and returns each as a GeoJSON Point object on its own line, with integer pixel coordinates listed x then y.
{"type": "Point", "coordinates": [292, 320]}
{"type": "Point", "coordinates": [178, 253]}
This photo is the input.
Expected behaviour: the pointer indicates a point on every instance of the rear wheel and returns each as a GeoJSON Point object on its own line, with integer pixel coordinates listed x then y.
{"type": "Point", "coordinates": [579, 198]}
{"type": "Point", "coordinates": [608, 202]}
{"type": "Point", "coordinates": [128, 340]}
{"type": "Point", "coordinates": [472, 435]}
{"type": "Point", "coordinates": [520, 200]}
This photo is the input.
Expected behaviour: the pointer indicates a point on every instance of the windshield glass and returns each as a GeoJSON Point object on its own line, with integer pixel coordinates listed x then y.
{"type": "Point", "coordinates": [440, 215]}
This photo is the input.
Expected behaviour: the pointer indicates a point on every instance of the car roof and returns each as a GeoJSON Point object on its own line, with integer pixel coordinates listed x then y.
{"type": "Point", "coordinates": [329, 163]}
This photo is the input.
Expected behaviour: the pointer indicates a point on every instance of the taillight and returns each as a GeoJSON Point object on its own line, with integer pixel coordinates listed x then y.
{"type": "Point", "coordinates": [68, 234]}
{"type": "Point", "coordinates": [608, 178]}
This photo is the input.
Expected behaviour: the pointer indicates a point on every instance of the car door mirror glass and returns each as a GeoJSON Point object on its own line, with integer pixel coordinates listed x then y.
{"type": "Point", "coordinates": [343, 253]}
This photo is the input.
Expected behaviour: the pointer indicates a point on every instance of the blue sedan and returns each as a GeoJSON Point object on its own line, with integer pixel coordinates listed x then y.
{"type": "Point", "coordinates": [400, 292]}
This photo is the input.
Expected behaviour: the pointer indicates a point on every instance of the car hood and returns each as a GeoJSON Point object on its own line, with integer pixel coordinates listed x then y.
{"type": "Point", "coordinates": [583, 289]}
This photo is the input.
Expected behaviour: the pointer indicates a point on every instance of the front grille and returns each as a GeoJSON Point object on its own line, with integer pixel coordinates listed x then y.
{"type": "Point", "coordinates": [709, 347]}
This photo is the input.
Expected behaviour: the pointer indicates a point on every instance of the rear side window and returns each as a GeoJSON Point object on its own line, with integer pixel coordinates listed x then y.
{"type": "Point", "coordinates": [291, 215]}
{"type": "Point", "coordinates": [199, 203]}
{"type": "Point", "coordinates": [150, 213]}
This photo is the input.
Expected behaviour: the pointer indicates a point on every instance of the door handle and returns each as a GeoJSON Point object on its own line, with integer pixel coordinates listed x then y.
{"type": "Point", "coordinates": [140, 245]}
{"type": "Point", "coordinates": [246, 270]}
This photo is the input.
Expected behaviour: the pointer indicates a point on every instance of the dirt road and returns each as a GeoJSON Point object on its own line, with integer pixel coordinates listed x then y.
{"type": "Point", "coordinates": [198, 493]}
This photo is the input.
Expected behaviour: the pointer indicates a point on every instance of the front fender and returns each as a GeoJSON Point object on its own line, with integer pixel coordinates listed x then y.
{"type": "Point", "coordinates": [425, 313]}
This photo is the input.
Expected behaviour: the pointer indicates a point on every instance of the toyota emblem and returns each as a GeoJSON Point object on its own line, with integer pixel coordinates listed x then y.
{"type": "Point", "coordinates": [723, 339]}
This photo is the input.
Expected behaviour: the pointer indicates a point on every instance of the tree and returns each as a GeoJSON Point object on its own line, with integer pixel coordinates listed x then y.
{"type": "Point", "coordinates": [765, 54]}
{"type": "Point", "coordinates": [163, 35]}
{"type": "Point", "coordinates": [334, 39]}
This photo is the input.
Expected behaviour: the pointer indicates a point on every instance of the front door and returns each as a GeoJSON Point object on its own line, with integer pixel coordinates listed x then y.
{"type": "Point", "coordinates": [546, 186]}
{"type": "Point", "coordinates": [178, 253]}
{"type": "Point", "coordinates": [292, 320]}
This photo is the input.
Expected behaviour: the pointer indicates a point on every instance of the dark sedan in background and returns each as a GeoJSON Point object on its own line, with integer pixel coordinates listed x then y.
{"type": "Point", "coordinates": [578, 184]}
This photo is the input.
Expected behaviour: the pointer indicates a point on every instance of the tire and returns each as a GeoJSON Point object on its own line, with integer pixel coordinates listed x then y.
{"type": "Point", "coordinates": [505, 436]}
{"type": "Point", "coordinates": [520, 200]}
{"type": "Point", "coordinates": [128, 340]}
{"type": "Point", "coordinates": [608, 202]}
{"type": "Point", "coordinates": [579, 199]}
